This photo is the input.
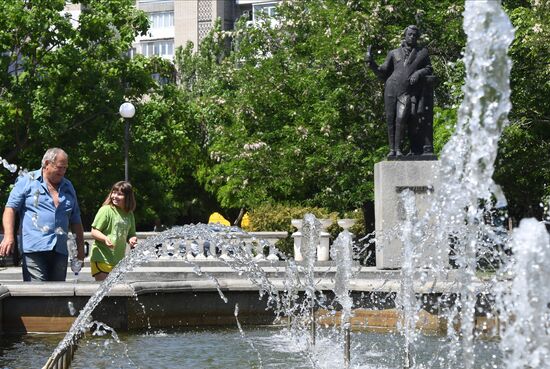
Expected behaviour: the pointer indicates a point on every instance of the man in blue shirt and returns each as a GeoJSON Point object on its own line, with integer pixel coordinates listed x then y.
{"type": "Point", "coordinates": [47, 205]}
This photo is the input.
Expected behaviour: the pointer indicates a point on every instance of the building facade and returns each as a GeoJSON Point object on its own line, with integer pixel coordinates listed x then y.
{"type": "Point", "coordinates": [174, 23]}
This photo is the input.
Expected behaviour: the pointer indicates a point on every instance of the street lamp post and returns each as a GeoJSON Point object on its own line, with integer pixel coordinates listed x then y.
{"type": "Point", "coordinates": [127, 111]}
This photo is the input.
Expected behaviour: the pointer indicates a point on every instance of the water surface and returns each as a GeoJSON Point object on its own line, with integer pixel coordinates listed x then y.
{"type": "Point", "coordinates": [257, 347]}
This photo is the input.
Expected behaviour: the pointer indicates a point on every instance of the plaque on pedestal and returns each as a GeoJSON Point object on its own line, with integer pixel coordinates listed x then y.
{"type": "Point", "coordinates": [390, 179]}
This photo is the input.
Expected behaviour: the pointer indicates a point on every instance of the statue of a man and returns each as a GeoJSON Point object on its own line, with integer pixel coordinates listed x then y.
{"type": "Point", "coordinates": [408, 95]}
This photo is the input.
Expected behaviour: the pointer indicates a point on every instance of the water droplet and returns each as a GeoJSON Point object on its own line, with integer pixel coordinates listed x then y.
{"type": "Point", "coordinates": [72, 310]}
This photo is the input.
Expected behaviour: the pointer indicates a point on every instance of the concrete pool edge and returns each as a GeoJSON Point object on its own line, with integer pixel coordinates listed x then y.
{"type": "Point", "coordinates": [172, 295]}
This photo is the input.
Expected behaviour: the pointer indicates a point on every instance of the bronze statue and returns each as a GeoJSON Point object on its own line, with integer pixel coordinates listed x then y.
{"type": "Point", "coordinates": [408, 95]}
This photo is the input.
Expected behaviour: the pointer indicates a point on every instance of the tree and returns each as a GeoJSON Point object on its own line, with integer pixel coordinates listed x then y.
{"type": "Point", "coordinates": [292, 114]}
{"type": "Point", "coordinates": [279, 118]}
{"type": "Point", "coordinates": [523, 164]}
{"type": "Point", "coordinates": [169, 145]}
{"type": "Point", "coordinates": [61, 84]}
{"type": "Point", "coordinates": [284, 111]}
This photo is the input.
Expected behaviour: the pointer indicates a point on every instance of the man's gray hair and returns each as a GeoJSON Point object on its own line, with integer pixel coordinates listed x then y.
{"type": "Point", "coordinates": [51, 155]}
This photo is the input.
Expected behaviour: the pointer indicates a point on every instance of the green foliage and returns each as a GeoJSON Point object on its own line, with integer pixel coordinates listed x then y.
{"type": "Point", "coordinates": [523, 166]}
{"type": "Point", "coordinates": [523, 170]}
{"type": "Point", "coordinates": [444, 124]}
{"type": "Point", "coordinates": [283, 112]}
{"type": "Point", "coordinates": [358, 229]}
{"type": "Point", "coordinates": [286, 246]}
{"type": "Point", "coordinates": [62, 85]}
{"type": "Point", "coordinates": [165, 130]}
{"type": "Point", "coordinates": [277, 217]}
{"type": "Point", "coordinates": [290, 111]}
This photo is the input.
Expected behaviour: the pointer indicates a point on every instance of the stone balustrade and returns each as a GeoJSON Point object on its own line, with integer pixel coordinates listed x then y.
{"type": "Point", "coordinates": [262, 244]}
{"type": "Point", "coordinates": [198, 250]}
{"type": "Point", "coordinates": [323, 249]}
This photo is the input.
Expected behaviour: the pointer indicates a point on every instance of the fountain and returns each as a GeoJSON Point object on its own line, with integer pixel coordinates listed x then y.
{"type": "Point", "coordinates": [468, 160]}
{"type": "Point", "coordinates": [516, 295]}
{"type": "Point", "coordinates": [525, 304]}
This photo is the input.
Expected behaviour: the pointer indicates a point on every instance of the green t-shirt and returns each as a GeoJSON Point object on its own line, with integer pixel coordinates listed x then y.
{"type": "Point", "coordinates": [119, 226]}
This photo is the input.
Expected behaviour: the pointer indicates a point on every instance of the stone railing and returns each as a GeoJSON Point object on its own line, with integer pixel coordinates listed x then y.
{"type": "Point", "coordinates": [203, 251]}
{"type": "Point", "coordinates": [324, 243]}
{"type": "Point", "coordinates": [258, 243]}
{"type": "Point", "coordinates": [193, 251]}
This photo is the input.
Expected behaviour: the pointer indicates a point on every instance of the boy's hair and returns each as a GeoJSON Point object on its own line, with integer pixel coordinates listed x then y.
{"type": "Point", "coordinates": [127, 190]}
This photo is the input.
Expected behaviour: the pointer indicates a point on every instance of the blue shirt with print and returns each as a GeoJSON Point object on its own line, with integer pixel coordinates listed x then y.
{"type": "Point", "coordinates": [44, 227]}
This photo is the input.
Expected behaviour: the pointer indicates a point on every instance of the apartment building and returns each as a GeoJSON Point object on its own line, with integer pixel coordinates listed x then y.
{"type": "Point", "coordinates": [175, 22]}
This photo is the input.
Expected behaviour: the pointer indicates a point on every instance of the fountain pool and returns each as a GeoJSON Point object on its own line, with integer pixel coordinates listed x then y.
{"type": "Point", "coordinates": [215, 348]}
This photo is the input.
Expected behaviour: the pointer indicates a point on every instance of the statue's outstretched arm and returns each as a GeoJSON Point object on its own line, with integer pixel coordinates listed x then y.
{"type": "Point", "coordinates": [380, 71]}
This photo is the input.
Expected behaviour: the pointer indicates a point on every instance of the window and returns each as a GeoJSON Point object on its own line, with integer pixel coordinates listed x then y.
{"type": "Point", "coordinates": [161, 19]}
{"type": "Point", "coordinates": [262, 11]}
{"type": "Point", "coordinates": [161, 48]}
{"type": "Point", "coordinates": [267, 9]}
{"type": "Point", "coordinates": [131, 52]}
{"type": "Point", "coordinates": [161, 80]}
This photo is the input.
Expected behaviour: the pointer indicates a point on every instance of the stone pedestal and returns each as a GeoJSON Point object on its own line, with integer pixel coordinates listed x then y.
{"type": "Point", "coordinates": [390, 179]}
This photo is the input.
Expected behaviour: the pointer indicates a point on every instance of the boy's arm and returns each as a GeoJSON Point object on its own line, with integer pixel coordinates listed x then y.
{"type": "Point", "coordinates": [99, 236]}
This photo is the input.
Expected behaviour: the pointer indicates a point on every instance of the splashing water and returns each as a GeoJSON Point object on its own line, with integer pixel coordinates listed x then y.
{"type": "Point", "coordinates": [36, 197]}
{"type": "Point", "coordinates": [288, 303]}
{"type": "Point", "coordinates": [71, 307]}
{"type": "Point", "coordinates": [467, 191]}
{"type": "Point", "coordinates": [243, 336]}
{"type": "Point", "coordinates": [342, 254]}
{"type": "Point", "coordinates": [525, 302]}
{"type": "Point", "coordinates": [467, 160]}
{"type": "Point", "coordinates": [406, 299]}
{"type": "Point", "coordinates": [11, 167]}
{"type": "Point", "coordinates": [240, 261]}
{"type": "Point", "coordinates": [311, 233]}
